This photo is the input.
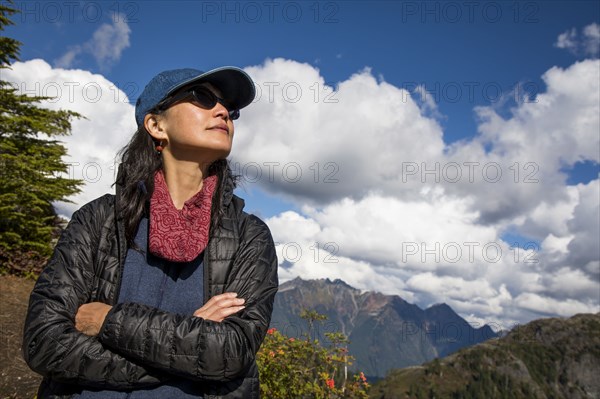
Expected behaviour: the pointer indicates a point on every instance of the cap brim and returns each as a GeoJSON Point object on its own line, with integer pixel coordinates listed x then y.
{"type": "Point", "coordinates": [236, 86]}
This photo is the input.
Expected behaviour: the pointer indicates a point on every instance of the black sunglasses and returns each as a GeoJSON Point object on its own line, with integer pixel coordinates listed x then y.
{"type": "Point", "coordinates": [202, 97]}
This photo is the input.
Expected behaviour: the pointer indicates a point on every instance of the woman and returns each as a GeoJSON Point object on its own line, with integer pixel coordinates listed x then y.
{"type": "Point", "coordinates": [164, 290]}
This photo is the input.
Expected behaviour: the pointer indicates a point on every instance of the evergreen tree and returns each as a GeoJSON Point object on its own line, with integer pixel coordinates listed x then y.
{"type": "Point", "coordinates": [31, 167]}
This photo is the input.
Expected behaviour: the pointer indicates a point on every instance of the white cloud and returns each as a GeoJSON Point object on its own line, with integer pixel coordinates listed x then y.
{"type": "Point", "coordinates": [570, 283]}
{"type": "Point", "coordinates": [106, 45]}
{"type": "Point", "coordinates": [587, 45]}
{"type": "Point", "coordinates": [68, 59]}
{"type": "Point", "coordinates": [429, 106]}
{"type": "Point", "coordinates": [591, 34]}
{"type": "Point", "coordinates": [551, 306]}
{"type": "Point", "coordinates": [324, 145]}
{"type": "Point", "coordinates": [531, 147]}
{"type": "Point", "coordinates": [376, 138]}
{"type": "Point", "coordinates": [553, 243]}
{"type": "Point", "coordinates": [374, 228]}
{"type": "Point", "coordinates": [567, 40]}
{"type": "Point", "coordinates": [94, 141]}
{"type": "Point", "coordinates": [551, 218]}
{"type": "Point", "coordinates": [584, 250]}
{"type": "Point", "coordinates": [452, 287]}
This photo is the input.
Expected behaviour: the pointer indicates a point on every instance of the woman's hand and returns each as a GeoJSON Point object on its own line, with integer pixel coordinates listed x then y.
{"type": "Point", "coordinates": [90, 317]}
{"type": "Point", "coordinates": [220, 306]}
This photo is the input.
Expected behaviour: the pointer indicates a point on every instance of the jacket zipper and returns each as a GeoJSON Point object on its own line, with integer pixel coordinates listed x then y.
{"type": "Point", "coordinates": [122, 248]}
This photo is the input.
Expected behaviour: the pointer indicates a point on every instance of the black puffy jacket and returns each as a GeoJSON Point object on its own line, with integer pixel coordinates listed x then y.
{"type": "Point", "coordinates": [141, 346]}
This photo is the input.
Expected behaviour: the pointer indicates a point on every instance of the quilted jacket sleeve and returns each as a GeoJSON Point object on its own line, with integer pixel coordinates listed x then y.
{"type": "Point", "coordinates": [51, 344]}
{"type": "Point", "coordinates": [201, 349]}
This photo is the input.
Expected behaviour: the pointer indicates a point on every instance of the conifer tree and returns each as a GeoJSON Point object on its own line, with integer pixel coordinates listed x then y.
{"type": "Point", "coordinates": [31, 168]}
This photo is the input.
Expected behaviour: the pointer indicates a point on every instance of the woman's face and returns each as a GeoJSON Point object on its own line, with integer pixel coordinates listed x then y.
{"type": "Point", "coordinates": [190, 132]}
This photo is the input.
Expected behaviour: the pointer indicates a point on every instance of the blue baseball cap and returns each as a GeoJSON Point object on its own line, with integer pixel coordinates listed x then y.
{"type": "Point", "coordinates": [236, 86]}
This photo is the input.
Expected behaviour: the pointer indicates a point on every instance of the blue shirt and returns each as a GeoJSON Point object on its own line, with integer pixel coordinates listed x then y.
{"type": "Point", "coordinates": [175, 287]}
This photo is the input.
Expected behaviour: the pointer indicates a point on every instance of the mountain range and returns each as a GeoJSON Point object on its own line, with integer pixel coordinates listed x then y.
{"type": "Point", "coordinates": [385, 331]}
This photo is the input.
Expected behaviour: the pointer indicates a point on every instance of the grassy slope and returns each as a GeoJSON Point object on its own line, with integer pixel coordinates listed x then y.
{"type": "Point", "coordinates": [547, 358]}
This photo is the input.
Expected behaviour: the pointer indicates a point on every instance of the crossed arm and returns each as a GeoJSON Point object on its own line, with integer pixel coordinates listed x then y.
{"type": "Point", "coordinates": [90, 316]}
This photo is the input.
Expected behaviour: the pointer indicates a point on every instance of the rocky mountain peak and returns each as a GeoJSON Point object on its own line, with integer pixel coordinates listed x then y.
{"type": "Point", "coordinates": [385, 331]}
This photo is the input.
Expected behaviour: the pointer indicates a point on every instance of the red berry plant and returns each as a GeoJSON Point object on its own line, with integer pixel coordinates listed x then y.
{"type": "Point", "coordinates": [304, 368]}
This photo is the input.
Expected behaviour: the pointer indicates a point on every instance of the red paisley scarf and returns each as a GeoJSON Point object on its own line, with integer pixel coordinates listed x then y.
{"type": "Point", "coordinates": [179, 235]}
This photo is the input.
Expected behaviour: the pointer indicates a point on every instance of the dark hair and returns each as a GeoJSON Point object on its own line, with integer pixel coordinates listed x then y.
{"type": "Point", "coordinates": [139, 163]}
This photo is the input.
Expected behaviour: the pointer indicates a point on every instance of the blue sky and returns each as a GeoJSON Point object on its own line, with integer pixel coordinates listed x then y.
{"type": "Point", "coordinates": [439, 82]}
